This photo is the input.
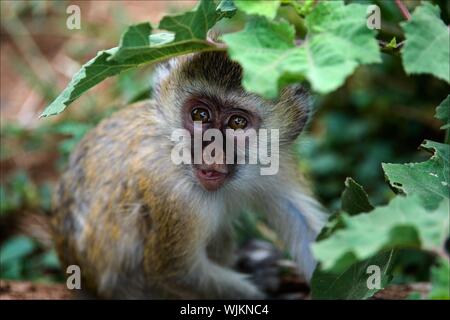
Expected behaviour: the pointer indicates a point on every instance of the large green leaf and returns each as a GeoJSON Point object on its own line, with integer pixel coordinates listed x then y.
{"type": "Point", "coordinates": [264, 49]}
{"type": "Point", "coordinates": [403, 223]}
{"type": "Point", "coordinates": [351, 284]}
{"type": "Point", "coordinates": [187, 33]}
{"type": "Point", "coordinates": [443, 112]}
{"type": "Point", "coordinates": [354, 199]}
{"type": "Point", "coordinates": [227, 8]}
{"type": "Point", "coordinates": [440, 280]}
{"type": "Point", "coordinates": [92, 73]}
{"type": "Point", "coordinates": [427, 47]}
{"type": "Point", "coordinates": [194, 24]}
{"type": "Point", "coordinates": [338, 40]}
{"type": "Point", "coordinates": [267, 8]}
{"type": "Point", "coordinates": [16, 248]}
{"type": "Point", "coordinates": [429, 180]}
{"type": "Point", "coordinates": [137, 35]}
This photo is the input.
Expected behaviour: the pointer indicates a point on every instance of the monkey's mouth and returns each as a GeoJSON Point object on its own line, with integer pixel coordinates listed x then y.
{"type": "Point", "coordinates": [211, 177]}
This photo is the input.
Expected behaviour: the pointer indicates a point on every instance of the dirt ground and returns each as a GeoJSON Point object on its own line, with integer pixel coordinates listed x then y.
{"type": "Point", "coordinates": [28, 290]}
{"type": "Point", "coordinates": [275, 275]}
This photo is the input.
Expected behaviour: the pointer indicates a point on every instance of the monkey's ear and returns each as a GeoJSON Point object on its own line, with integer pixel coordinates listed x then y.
{"type": "Point", "coordinates": [161, 75]}
{"type": "Point", "coordinates": [293, 110]}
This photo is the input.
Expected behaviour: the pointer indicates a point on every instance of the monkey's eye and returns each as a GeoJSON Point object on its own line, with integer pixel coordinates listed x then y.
{"type": "Point", "coordinates": [200, 114]}
{"type": "Point", "coordinates": [237, 122]}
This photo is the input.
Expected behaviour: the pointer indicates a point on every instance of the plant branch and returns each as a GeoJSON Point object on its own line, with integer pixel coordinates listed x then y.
{"type": "Point", "coordinates": [403, 9]}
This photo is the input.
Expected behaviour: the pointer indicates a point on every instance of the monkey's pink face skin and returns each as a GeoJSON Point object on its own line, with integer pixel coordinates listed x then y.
{"type": "Point", "coordinates": [213, 114]}
{"type": "Point", "coordinates": [211, 177]}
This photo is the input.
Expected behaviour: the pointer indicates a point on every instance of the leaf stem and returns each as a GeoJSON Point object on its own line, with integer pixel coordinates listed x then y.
{"type": "Point", "coordinates": [403, 9]}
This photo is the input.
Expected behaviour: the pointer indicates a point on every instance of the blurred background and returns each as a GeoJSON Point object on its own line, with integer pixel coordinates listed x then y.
{"type": "Point", "coordinates": [379, 115]}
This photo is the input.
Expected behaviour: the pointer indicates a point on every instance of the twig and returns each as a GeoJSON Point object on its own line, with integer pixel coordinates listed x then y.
{"type": "Point", "coordinates": [30, 51]}
{"type": "Point", "coordinates": [404, 10]}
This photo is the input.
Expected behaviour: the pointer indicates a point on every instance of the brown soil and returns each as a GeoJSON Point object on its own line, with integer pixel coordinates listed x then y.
{"type": "Point", "coordinates": [23, 290]}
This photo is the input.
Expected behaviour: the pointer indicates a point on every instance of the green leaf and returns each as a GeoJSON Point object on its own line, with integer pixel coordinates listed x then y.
{"type": "Point", "coordinates": [351, 284]}
{"type": "Point", "coordinates": [266, 8]}
{"type": "Point", "coordinates": [161, 38]}
{"type": "Point", "coordinates": [427, 46]}
{"type": "Point", "coordinates": [158, 47]}
{"type": "Point", "coordinates": [338, 40]}
{"type": "Point", "coordinates": [137, 35]}
{"type": "Point", "coordinates": [440, 281]}
{"type": "Point", "coordinates": [303, 8]}
{"type": "Point", "coordinates": [13, 270]}
{"type": "Point", "coordinates": [49, 259]}
{"type": "Point", "coordinates": [227, 8]}
{"type": "Point", "coordinates": [194, 24]}
{"type": "Point", "coordinates": [392, 44]}
{"type": "Point", "coordinates": [92, 73]}
{"type": "Point", "coordinates": [403, 223]}
{"type": "Point", "coordinates": [264, 48]}
{"type": "Point", "coordinates": [16, 248]}
{"type": "Point", "coordinates": [429, 180]}
{"type": "Point", "coordinates": [354, 199]}
{"type": "Point", "coordinates": [187, 33]}
{"type": "Point", "coordinates": [443, 113]}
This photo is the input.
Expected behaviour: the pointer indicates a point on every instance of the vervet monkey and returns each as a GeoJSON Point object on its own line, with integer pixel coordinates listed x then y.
{"type": "Point", "coordinates": [140, 226]}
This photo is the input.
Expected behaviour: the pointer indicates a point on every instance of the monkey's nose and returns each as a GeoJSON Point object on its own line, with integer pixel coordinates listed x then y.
{"type": "Point", "coordinates": [214, 160]}
{"type": "Point", "coordinates": [217, 167]}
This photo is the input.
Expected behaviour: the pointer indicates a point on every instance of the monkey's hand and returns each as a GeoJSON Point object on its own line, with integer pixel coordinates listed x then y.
{"type": "Point", "coordinates": [204, 279]}
{"type": "Point", "coordinates": [217, 282]}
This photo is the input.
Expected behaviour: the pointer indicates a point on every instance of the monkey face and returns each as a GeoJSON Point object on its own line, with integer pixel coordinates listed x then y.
{"type": "Point", "coordinates": [215, 147]}
{"type": "Point", "coordinates": [202, 93]}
